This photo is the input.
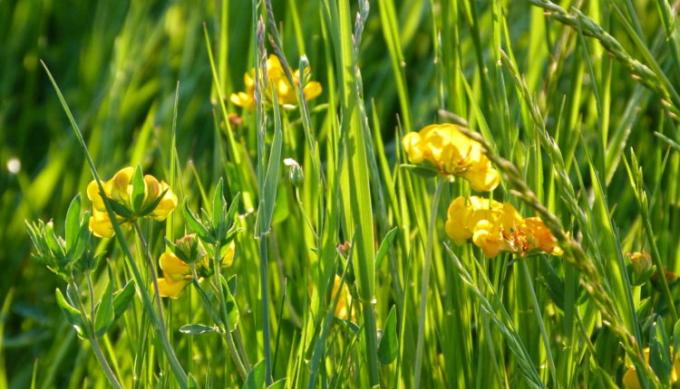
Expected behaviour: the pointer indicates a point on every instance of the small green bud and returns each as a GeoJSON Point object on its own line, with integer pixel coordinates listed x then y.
{"type": "Point", "coordinates": [295, 173]}
{"type": "Point", "coordinates": [188, 248]}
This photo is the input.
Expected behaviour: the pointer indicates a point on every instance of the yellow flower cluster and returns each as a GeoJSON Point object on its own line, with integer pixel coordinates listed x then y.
{"type": "Point", "coordinates": [494, 227]}
{"type": "Point", "coordinates": [159, 201]}
{"type": "Point", "coordinates": [452, 153]}
{"type": "Point", "coordinates": [177, 273]}
{"type": "Point", "coordinates": [276, 79]}
{"type": "Point", "coordinates": [630, 379]}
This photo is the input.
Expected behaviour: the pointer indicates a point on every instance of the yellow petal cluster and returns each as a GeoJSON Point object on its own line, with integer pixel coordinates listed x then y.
{"type": "Point", "coordinates": [119, 189]}
{"type": "Point", "coordinates": [343, 309]}
{"type": "Point", "coordinates": [177, 273]}
{"type": "Point", "coordinates": [495, 227]}
{"type": "Point", "coordinates": [630, 379]}
{"type": "Point", "coordinates": [452, 153]}
{"type": "Point", "coordinates": [276, 79]}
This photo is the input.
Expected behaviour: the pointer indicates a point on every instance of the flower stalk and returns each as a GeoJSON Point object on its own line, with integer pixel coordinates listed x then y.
{"type": "Point", "coordinates": [92, 336]}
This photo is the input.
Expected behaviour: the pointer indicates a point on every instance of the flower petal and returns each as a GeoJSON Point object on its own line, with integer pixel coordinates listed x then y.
{"type": "Point", "coordinates": [101, 225]}
{"type": "Point", "coordinates": [174, 268]}
{"type": "Point", "coordinates": [171, 289]}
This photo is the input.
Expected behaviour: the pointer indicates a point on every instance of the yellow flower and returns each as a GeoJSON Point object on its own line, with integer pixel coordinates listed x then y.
{"type": "Point", "coordinates": [228, 252]}
{"type": "Point", "coordinates": [489, 237]}
{"type": "Point", "coordinates": [121, 185]}
{"type": "Point", "coordinates": [100, 224]}
{"type": "Point", "coordinates": [278, 83]}
{"type": "Point", "coordinates": [119, 189]}
{"type": "Point", "coordinates": [630, 378]}
{"type": "Point", "coordinates": [342, 310]}
{"type": "Point", "coordinates": [171, 289]}
{"type": "Point", "coordinates": [465, 216]}
{"type": "Point", "coordinates": [177, 274]}
{"type": "Point", "coordinates": [166, 205]}
{"type": "Point", "coordinates": [539, 236]}
{"type": "Point", "coordinates": [452, 153]}
{"type": "Point", "coordinates": [495, 227]}
{"type": "Point", "coordinates": [245, 99]}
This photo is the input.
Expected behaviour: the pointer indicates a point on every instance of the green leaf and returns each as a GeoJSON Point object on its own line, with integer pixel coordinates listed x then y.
{"type": "Point", "coordinates": [659, 355]}
{"type": "Point", "coordinates": [152, 205]}
{"type": "Point", "coordinates": [423, 170]}
{"type": "Point", "coordinates": [72, 314]}
{"type": "Point", "coordinates": [218, 205]}
{"type": "Point", "coordinates": [196, 329]}
{"type": "Point", "coordinates": [232, 308]}
{"type": "Point", "coordinates": [255, 378]}
{"type": "Point", "coordinates": [349, 325]}
{"type": "Point", "coordinates": [120, 209]}
{"type": "Point", "coordinates": [389, 343]}
{"type": "Point", "coordinates": [138, 189]}
{"type": "Point", "coordinates": [271, 180]}
{"type": "Point", "coordinates": [105, 314]}
{"type": "Point", "coordinates": [195, 225]}
{"type": "Point", "coordinates": [280, 384]}
{"type": "Point", "coordinates": [122, 299]}
{"type": "Point", "coordinates": [73, 223]}
{"type": "Point", "coordinates": [281, 213]}
{"type": "Point", "coordinates": [52, 241]}
{"type": "Point", "coordinates": [385, 246]}
{"type": "Point", "coordinates": [77, 250]}
{"type": "Point", "coordinates": [233, 207]}
{"type": "Point", "coordinates": [232, 283]}
{"type": "Point", "coordinates": [676, 338]}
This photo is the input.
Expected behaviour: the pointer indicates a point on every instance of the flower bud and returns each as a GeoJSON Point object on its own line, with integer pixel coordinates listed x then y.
{"type": "Point", "coordinates": [295, 173]}
{"type": "Point", "coordinates": [640, 261]}
{"type": "Point", "coordinates": [188, 249]}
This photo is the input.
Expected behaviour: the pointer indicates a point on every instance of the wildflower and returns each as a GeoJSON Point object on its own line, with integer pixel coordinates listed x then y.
{"type": "Point", "coordinates": [155, 200]}
{"type": "Point", "coordinates": [494, 227]}
{"type": "Point", "coordinates": [177, 271]}
{"type": "Point", "coordinates": [539, 237]}
{"type": "Point", "coordinates": [630, 378]}
{"type": "Point", "coordinates": [452, 153]}
{"type": "Point", "coordinates": [342, 309]}
{"type": "Point", "coordinates": [276, 79]}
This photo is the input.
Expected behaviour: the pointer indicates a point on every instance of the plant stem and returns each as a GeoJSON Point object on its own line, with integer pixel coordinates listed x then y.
{"type": "Point", "coordinates": [157, 316]}
{"type": "Point", "coordinates": [424, 284]}
{"type": "Point", "coordinates": [92, 336]}
{"type": "Point", "coordinates": [264, 287]}
{"type": "Point", "coordinates": [242, 371]}
{"type": "Point", "coordinates": [152, 268]}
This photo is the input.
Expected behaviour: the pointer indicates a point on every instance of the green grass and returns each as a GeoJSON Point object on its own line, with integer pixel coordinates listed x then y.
{"type": "Point", "coordinates": [578, 106]}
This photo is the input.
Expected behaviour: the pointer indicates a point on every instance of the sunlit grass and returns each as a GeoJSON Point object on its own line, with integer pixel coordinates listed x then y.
{"type": "Point", "coordinates": [286, 132]}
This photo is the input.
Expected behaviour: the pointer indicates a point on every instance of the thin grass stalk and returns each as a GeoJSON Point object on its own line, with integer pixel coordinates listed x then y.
{"type": "Point", "coordinates": [425, 283]}
{"type": "Point", "coordinates": [655, 80]}
{"type": "Point", "coordinates": [636, 180]}
{"type": "Point", "coordinates": [92, 336]}
{"type": "Point", "coordinates": [267, 173]}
